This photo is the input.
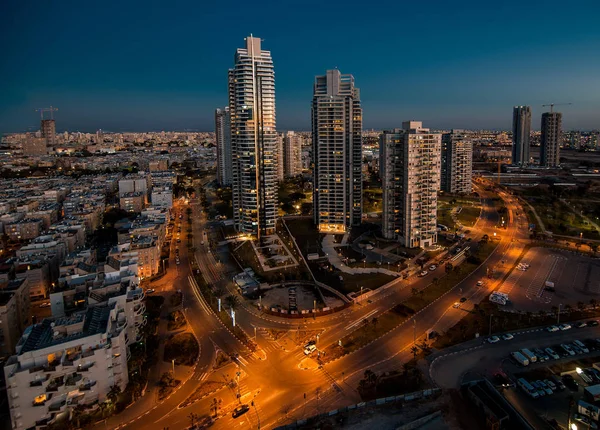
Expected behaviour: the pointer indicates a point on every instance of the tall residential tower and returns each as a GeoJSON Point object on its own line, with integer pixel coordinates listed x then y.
{"type": "Point", "coordinates": [253, 140]}
{"type": "Point", "coordinates": [337, 152]}
{"type": "Point", "coordinates": [223, 141]}
{"type": "Point", "coordinates": [292, 154]}
{"type": "Point", "coordinates": [521, 131]}
{"type": "Point", "coordinates": [550, 139]}
{"type": "Point", "coordinates": [410, 179]}
{"type": "Point", "coordinates": [457, 162]}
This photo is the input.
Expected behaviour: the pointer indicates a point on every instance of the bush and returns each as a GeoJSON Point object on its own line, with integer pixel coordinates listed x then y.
{"type": "Point", "coordinates": [182, 348]}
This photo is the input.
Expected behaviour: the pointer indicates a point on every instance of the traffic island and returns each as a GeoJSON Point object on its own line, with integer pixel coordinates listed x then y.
{"type": "Point", "coordinates": [182, 349]}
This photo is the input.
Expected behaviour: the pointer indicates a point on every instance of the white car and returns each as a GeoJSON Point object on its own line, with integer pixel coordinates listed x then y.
{"type": "Point", "coordinates": [552, 328]}
{"type": "Point", "coordinates": [423, 273]}
{"type": "Point", "coordinates": [479, 283]}
{"type": "Point", "coordinates": [456, 305]}
{"type": "Point", "coordinates": [507, 336]}
{"type": "Point", "coordinates": [310, 349]}
{"type": "Point", "coordinates": [564, 327]}
{"type": "Point", "coordinates": [493, 339]}
{"type": "Point", "coordinates": [45, 305]}
{"type": "Point", "coordinates": [432, 267]}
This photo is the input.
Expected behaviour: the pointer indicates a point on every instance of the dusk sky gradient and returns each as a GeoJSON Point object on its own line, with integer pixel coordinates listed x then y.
{"type": "Point", "coordinates": [162, 65]}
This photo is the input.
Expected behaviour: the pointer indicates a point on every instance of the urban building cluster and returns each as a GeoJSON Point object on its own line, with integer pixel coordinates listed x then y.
{"type": "Point", "coordinates": [97, 307]}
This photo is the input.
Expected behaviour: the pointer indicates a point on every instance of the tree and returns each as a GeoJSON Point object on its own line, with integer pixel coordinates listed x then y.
{"type": "Point", "coordinates": [374, 321]}
{"type": "Point", "coordinates": [554, 309]}
{"type": "Point", "coordinates": [219, 291]}
{"type": "Point", "coordinates": [580, 306]}
{"type": "Point", "coordinates": [568, 308]}
{"type": "Point", "coordinates": [593, 303]}
{"type": "Point", "coordinates": [193, 418]}
{"type": "Point", "coordinates": [414, 351]}
{"type": "Point", "coordinates": [113, 394]}
{"type": "Point", "coordinates": [232, 301]}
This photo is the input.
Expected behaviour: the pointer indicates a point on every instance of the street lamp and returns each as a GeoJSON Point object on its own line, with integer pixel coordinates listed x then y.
{"type": "Point", "coordinates": [558, 314]}
{"type": "Point", "coordinates": [173, 363]}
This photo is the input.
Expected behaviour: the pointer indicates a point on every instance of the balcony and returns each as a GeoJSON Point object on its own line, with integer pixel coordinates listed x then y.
{"type": "Point", "coordinates": [139, 309]}
{"type": "Point", "coordinates": [85, 367]}
{"type": "Point", "coordinates": [87, 386]}
{"type": "Point", "coordinates": [54, 407]}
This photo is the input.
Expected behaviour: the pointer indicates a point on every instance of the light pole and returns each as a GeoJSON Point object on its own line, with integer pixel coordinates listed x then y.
{"type": "Point", "coordinates": [558, 314]}
{"type": "Point", "coordinates": [173, 364]}
{"type": "Point", "coordinates": [361, 290]}
{"type": "Point", "coordinates": [415, 331]}
{"type": "Point", "coordinates": [255, 333]}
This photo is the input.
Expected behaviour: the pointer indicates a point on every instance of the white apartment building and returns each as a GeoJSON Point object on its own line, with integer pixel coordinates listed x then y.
{"type": "Point", "coordinates": [223, 141]}
{"type": "Point", "coordinates": [292, 154]}
{"type": "Point", "coordinates": [457, 163]}
{"type": "Point", "coordinates": [64, 362]}
{"type": "Point", "coordinates": [253, 140]}
{"type": "Point", "coordinates": [337, 152]}
{"type": "Point", "coordinates": [162, 197]}
{"type": "Point", "coordinates": [410, 176]}
{"type": "Point", "coordinates": [134, 184]}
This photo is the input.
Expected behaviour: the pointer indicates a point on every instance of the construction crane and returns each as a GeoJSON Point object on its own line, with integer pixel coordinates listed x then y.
{"type": "Point", "coordinates": [50, 109]}
{"type": "Point", "coordinates": [556, 104]}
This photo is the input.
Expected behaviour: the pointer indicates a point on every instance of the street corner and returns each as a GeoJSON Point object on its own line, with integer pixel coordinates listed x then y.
{"type": "Point", "coordinates": [308, 364]}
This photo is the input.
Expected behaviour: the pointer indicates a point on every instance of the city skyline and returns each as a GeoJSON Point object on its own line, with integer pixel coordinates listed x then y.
{"type": "Point", "coordinates": [146, 77]}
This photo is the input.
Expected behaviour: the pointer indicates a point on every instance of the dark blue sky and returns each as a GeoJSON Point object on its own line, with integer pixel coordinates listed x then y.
{"type": "Point", "coordinates": [153, 65]}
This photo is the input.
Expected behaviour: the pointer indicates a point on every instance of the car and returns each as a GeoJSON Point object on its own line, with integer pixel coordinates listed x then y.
{"type": "Point", "coordinates": [178, 262]}
{"type": "Point", "coordinates": [575, 348]}
{"type": "Point", "coordinates": [432, 267]}
{"type": "Point", "coordinates": [550, 384]}
{"type": "Point", "coordinates": [592, 323]}
{"type": "Point", "coordinates": [479, 283]}
{"type": "Point", "coordinates": [507, 336]}
{"type": "Point", "coordinates": [552, 354]}
{"type": "Point", "coordinates": [586, 421]}
{"type": "Point", "coordinates": [541, 354]}
{"type": "Point", "coordinates": [456, 305]}
{"type": "Point", "coordinates": [568, 348]}
{"type": "Point", "coordinates": [541, 392]}
{"type": "Point", "coordinates": [570, 382]}
{"type": "Point", "coordinates": [558, 382]}
{"type": "Point", "coordinates": [178, 240]}
{"type": "Point", "coordinates": [564, 327]}
{"type": "Point", "coordinates": [594, 373]}
{"type": "Point", "coordinates": [463, 299]}
{"type": "Point", "coordinates": [150, 290]}
{"type": "Point", "coordinates": [580, 325]}
{"type": "Point", "coordinates": [309, 349]}
{"type": "Point", "coordinates": [240, 410]}
{"type": "Point", "coordinates": [423, 273]}
{"type": "Point", "coordinates": [544, 387]}
{"type": "Point", "coordinates": [45, 305]}
{"type": "Point", "coordinates": [493, 339]}
{"type": "Point", "coordinates": [552, 328]}
{"type": "Point", "coordinates": [585, 376]}
{"type": "Point", "coordinates": [503, 381]}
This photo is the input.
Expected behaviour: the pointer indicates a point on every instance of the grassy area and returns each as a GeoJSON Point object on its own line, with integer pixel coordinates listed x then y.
{"type": "Point", "coordinates": [183, 348]}
{"type": "Point", "coordinates": [444, 215]}
{"type": "Point", "coordinates": [176, 320]}
{"type": "Point", "coordinates": [372, 200]}
{"type": "Point", "coordinates": [559, 219]}
{"type": "Point", "coordinates": [202, 391]}
{"type": "Point", "coordinates": [166, 385]}
{"type": "Point", "coordinates": [407, 380]}
{"type": "Point", "coordinates": [468, 215]}
{"type": "Point", "coordinates": [294, 197]}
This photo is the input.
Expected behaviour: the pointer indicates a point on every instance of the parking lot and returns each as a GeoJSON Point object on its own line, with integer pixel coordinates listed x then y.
{"type": "Point", "coordinates": [576, 278]}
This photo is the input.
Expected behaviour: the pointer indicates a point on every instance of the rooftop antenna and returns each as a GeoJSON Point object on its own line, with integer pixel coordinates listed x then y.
{"type": "Point", "coordinates": [556, 104]}
{"type": "Point", "coordinates": [50, 109]}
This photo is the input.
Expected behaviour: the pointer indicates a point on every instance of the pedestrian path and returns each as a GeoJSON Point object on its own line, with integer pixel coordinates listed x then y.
{"type": "Point", "coordinates": [335, 260]}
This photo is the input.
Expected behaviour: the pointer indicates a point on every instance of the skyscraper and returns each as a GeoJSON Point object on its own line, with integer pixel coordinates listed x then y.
{"type": "Point", "coordinates": [550, 139]}
{"type": "Point", "coordinates": [410, 179]}
{"type": "Point", "coordinates": [337, 152]}
{"type": "Point", "coordinates": [280, 150]}
{"type": "Point", "coordinates": [292, 154]}
{"type": "Point", "coordinates": [48, 129]}
{"type": "Point", "coordinates": [223, 141]}
{"type": "Point", "coordinates": [457, 162]}
{"type": "Point", "coordinates": [253, 140]}
{"type": "Point", "coordinates": [521, 131]}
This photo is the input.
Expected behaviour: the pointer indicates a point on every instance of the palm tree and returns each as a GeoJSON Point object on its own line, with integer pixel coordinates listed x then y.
{"type": "Point", "coordinates": [374, 321]}
{"type": "Point", "coordinates": [193, 418]}
{"type": "Point", "coordinates": [232, 301]}
{"type": "Point", "coordinates": [113, 394]}
{"type": "Point", "coordinates": [449, 267]}
{"type": "Point", "coordinates": [414, 350]}
{"type": "Point", "coordinates": [219, 291]}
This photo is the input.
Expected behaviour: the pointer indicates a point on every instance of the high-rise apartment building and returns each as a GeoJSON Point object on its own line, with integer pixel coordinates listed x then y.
{"type": "Point", "coordinates": [550, 139]}
{"type": "Point", "coordinates": [279, 156]}
{"type": "Point", "coordinates": [48, 129]}
{"type": "Point", "coordinates": [337, 152]}
{"type": "Point", "coordinates": [521, 131]}
{"type": "Point", "coordinates": [223, 140]}
{"type": "Point", "coordinates": [253, 140]}
{"type": "Point", "coordinates": [457, 162]}
{"type": "Point", "coordinates": [292, 154]}
{"type": "Point", "coordinates": [410, 179]}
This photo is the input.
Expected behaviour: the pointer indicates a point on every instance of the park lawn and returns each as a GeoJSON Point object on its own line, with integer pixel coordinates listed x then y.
{"type": "Point", "coordinates": [444, 216]}
{"type": "Point", "coordinates": [559, 219]}
{"type": "Point", "coordinates": [306, 234]}
{"type": "Point", "coordinates": [183, 348]}
{"type": "Point", "coordinates": [468, 215]}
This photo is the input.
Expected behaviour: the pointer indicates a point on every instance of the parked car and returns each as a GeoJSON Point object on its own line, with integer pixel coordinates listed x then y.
{"type": "Point", "coordinates": [45, 305]}
{"type": "Point", "coordinates": [507, 336]}
{"type": "Point", "coordinates": [423, 273]}
{"type": "Point", "coordinates": [463, 299]}
{"type": "Point", "coordinates": [594, 373]}
{"type": "Point", "coordinates": [456, 305]}
{"type": "Point", "coordinates": [579, 344]}
{"type": "Point", "coordinates": [493, 339]}
{"type": "Point", "coordinates": [552, 354]}
{"type": "Point", "coordinates": [581, 324]}
{"type": "Point", "coordinates": [541, 354]}
{"type": "Point", "coordinates": [552, 328]}
{"type": "Point", "coordinates": [570, 382]}
{"type": "Point", "coordinates": [567, 348]}
{"type": "Point", "coordinates": [550, 384]}
{"type": "Point", "coordinates": [576, 348]}
{"type": "Point", "coordinates": [541, 392]}
{"type": "Point", "coordinates": [592, 323]}
{"type": "Point", "coordinates": [240, 410]}
{"type": "Point", "coordinates": [503, 381]}
{"type": "Point", "coordinates": [432, 267]}
{"type": "Point", "coordinates": [309, 349]}
{"type": "Point", "coordinates": [150, 290]}
{"type": "Point", "coordinates": [585, 376]}
{"type": "Point", "coordinates": [544, 387]}
{"type": "Point", "coordinates": [564, 327]}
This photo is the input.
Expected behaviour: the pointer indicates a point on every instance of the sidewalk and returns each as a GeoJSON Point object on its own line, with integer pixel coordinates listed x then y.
{"type": "Point", "coordinates": [335, 260]}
